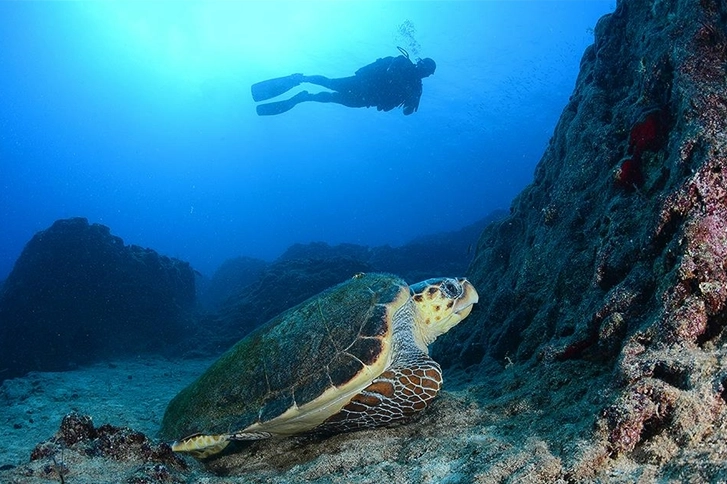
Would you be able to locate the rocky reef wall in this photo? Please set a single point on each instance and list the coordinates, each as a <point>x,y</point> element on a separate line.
<point>614,260</point>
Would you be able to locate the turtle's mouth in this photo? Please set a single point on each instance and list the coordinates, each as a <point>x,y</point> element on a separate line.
<point>464,312</point>
<point>463,305</point>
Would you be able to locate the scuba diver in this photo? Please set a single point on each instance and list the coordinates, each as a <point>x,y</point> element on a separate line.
<point>388,83</point>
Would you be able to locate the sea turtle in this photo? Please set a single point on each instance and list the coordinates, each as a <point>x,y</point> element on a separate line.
<point>354,356</point>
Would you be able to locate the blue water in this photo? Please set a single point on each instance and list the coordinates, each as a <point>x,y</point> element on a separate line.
<point>138,116</point>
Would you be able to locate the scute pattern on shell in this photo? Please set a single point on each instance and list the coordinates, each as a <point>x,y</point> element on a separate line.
<point>291,360</point>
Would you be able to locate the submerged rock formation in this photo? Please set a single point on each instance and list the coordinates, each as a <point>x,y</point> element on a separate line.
<point>435,255</point>
<point>78,294</point>
<point>228,281</point>
<point>52,460</point>
<point>613,263</point>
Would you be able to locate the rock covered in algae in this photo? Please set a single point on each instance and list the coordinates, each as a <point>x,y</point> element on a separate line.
<point>614,258</point>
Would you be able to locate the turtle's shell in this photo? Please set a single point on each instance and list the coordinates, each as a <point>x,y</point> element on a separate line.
<point>301,367</point>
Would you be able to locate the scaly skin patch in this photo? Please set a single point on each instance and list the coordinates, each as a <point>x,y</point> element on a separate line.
<point>440,304</point>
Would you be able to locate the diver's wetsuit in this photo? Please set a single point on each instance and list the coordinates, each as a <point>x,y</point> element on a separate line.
<point>387,84</point>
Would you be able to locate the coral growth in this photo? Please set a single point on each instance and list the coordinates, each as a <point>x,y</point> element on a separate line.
<point>647,134</point>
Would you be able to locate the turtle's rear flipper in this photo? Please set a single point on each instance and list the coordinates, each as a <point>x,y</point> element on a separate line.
<point>280,107</point>
<point>201,446</point>
<point>265,90</point>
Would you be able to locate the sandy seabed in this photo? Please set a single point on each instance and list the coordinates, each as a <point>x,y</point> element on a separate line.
<point>449,444</point>
<point>465,436</point>
<point>128,393</point>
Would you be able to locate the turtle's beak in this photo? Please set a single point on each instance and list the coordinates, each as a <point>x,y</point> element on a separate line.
<point>463,304</point>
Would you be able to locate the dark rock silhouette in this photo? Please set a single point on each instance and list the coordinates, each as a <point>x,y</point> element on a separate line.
<point>229,280</point>
<point>304,270</point>
<point>78,294</point>
<point>446,253</point>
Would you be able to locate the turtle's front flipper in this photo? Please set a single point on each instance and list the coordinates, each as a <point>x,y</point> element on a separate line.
<point>400,392</point>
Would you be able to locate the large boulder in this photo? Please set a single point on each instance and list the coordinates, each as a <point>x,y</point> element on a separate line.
<point>78,294</point>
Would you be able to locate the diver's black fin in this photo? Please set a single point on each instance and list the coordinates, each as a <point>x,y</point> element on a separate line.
<point>264,90</point>
<point>280,107</point>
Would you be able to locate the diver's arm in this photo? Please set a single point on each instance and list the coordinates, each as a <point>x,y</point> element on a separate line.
<point>411,104</point>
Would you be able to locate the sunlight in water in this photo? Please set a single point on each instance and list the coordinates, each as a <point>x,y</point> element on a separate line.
<point>196,40</point>
<point>139,115</point>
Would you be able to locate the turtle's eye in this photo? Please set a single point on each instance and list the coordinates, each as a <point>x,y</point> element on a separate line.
<point>451,288</point>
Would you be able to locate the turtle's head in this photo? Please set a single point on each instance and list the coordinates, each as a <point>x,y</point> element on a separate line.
<point>439,304</point>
